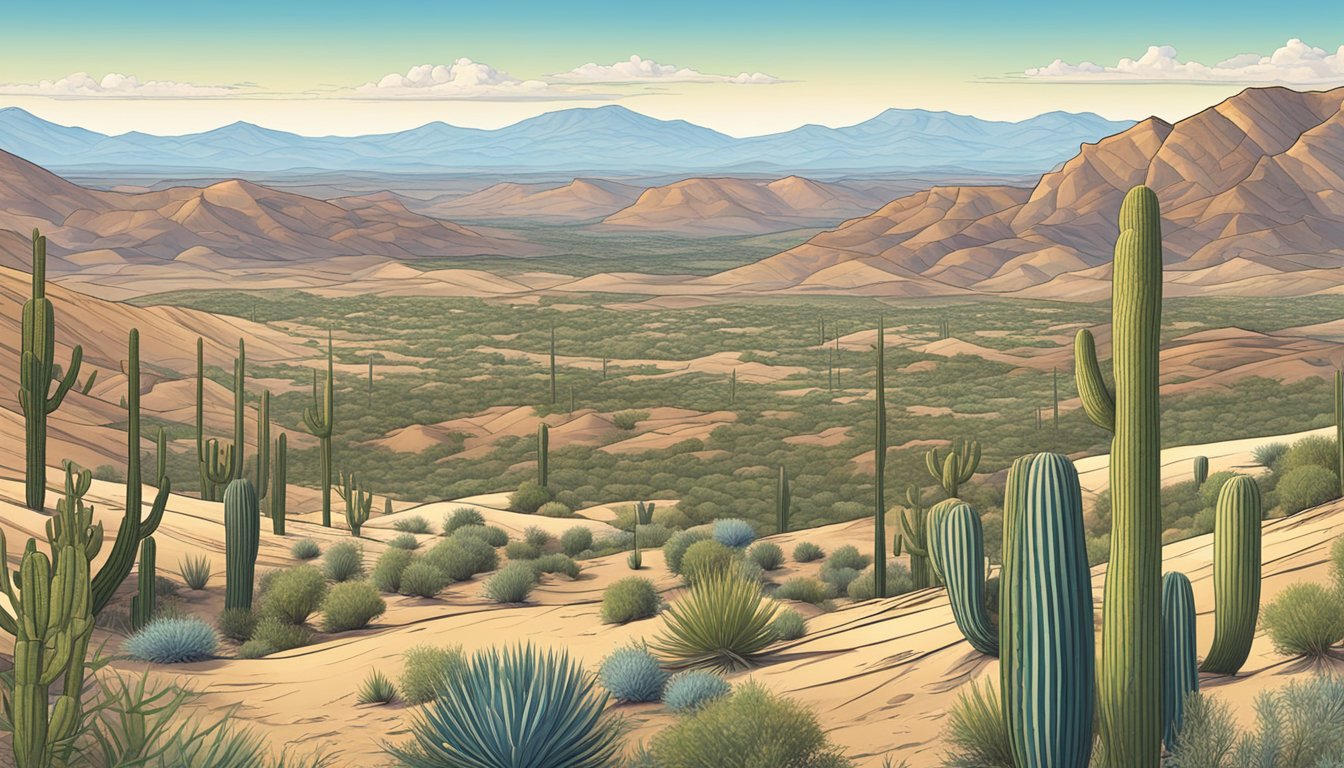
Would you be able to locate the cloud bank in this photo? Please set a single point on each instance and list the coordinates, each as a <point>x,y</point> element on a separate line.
<point>638,70</point>
<point>1294,63</point>
<point>82,85</point>
<point>463,79</point>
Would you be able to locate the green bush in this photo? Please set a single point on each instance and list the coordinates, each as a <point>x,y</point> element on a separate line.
<point>387,572</point>
<point>405,541</point>
<point>750,728</point>
<point>1305,487</point>
<point>576,540</point>
<point>632,675</point>
<point>767,555</point>
<point>848,556</point>
<point>422,580</point>
<point>426,670</point>
<point>1337,563</point>
<point>274,635</point>
<point>807,552</point>
<point>1298,726</point>
<point>1311,451</point>
<point>490,534</point>
<point>237,624</point>
<point>305,549</point>
<point>460,558</point>
<point>376,689</point>
<point>537,537</point>
<point>1268,455</point>
<point>690,690</point>
<point>837,580</point>
<point>804,589</point>
<point>351,605</point>
<point>734,532</point>
<point>528,498</point>
<point>460,518</point>
<point>556,563</point>
<point>1208,492</point>
<point>172,641</point>
<point>511,584</point>
<point>676,547</point>
<point>415,524</point>
<point>522,550</point>
<point>976,732</point>
<point>653,535</point>
<point>1305,619</point>
<point>628,420</point>
<point>629,599</point>
<point>294,594</point>
<point>554,509</point>
<point>705,559</point>
<point>789,625</point>
<point>723,623</point>
<point>898,582</point>
<point>344,561</point>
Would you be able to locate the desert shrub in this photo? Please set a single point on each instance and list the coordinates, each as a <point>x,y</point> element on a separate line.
<point>405,541</point>
<point>511,584</point>
<point>172,641</point>
<point>898,582</point>
<point>426,670</point>
<point>537,537</point>
<point>1208,492</point>
<point>490,534</point>
<point>421,580</point>
<point>557,563</point>
<point>653,535</point>
<point>629,599</point>
<point>529,497</point>
<point>294,594</point>
<point>254,649</point>
<point>848,556</point>
<point>344,561</point>
<point>305,549</point>
<point>723,623</point>
<point>789,625</point>
<point>1298,726</point>
<point>734,533</point>
<point>706,558</point>
<point>976,732</point>
<point>277,635</point>
<point>1268,455</point>
<point>688,691</point>
<point>628,420</point>
<point>376,689</point>
<point>1311,451</point>
<point>807,552</point>
<point>460,558</point>
<point>837,580</point>
<point>351,605</point>
<point>415,524</point>
<point>676,547</point>
<point>387,572</point>
<point>540,704</point>
<point>749,728</point>
<point>767,555</point>
<point>576,540</point>
<point>195,571</point>
<point>460,518</point>
<point>632,675</point>
<point>522,550</point>
<point>554,509</point>
<point>1305,487</point>
<point>237,624</point>
<point>1305,619</point>
<point>804,589</point>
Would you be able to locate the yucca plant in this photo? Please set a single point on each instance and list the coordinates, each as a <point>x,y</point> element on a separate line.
<point>195,571</point>
<point>377,688</point>
<point>516,708</point>
<point>723,624</point>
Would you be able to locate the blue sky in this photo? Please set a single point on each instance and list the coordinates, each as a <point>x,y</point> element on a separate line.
<point>742,68</point>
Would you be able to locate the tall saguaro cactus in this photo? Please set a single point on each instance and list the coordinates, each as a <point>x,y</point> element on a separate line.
<point>1339,428</point>
<point>1054,386</point>
<point>880,468</point>
<point>278,479</point>
<point>242,537</point>
<point>143,602</point>
<point>1180,678</point>
<point>553,394</point>
<point>239,409</point>
<point>358,502</point>
<point>783,501</point>
<point>913,536</point>
<point>960,463</point>
<point>543,454</point>
<point>263,474</point>
<point>1130,678</point>
<point>37,370</point>
<point>1236,575</point>
<point>319,418</point>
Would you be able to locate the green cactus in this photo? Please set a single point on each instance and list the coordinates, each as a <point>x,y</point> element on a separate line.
<point>263,463</point>
<point>732,388</point>
<point>1046,630</point>
<point>88,383</point>
<point>836,348</point>
<point>571,399</point>
<point>553,394</point>
<point>218,463</point>
<point>644,512</point>
<point>276,499</point>
<point>387,505</point>
<point>37,370</point>
<point>319,418</point>
<point>160,458</point>
<point>960,463</point>
<point>635,559</point>
<point>143,603</point>
<point>880,468</point>
<point>358,502</point>
<point>1339,428</point>
<point>933,544</point>
<point>1180,678</point>
<point>209,492</point>
<point>1201,464</point>
<point>1130,678</point>
<point>1236,575</point>
<point>783,501</point>
<point>543,454</point>
<point>913,537</point>
<point>830,369</point>
<point>239,409</point>
<point>242,537</point>
<point>1054,386</point>
<point>960,558</point>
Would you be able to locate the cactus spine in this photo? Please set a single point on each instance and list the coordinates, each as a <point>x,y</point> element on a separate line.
<point>1046,630</point>
<point>36,372</point>
<point>961,561</point>
<point>1201,470</point>
<point>358,502</point>
<point>880,469</point>
<point>1130,679</point>
<point>319,418</point>
<point>913,536</point>
<point>242,537</point>
<point>1236,575</point>
<point>143,603</point>
<point>960,463</point>
<point>1180,677</point>
<point>543,454</point>
<point>783,501</point>
<point>279,477</point>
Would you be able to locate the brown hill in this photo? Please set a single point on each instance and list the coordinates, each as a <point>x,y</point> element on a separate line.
<point>577,201</point>
<point>1250,193</point>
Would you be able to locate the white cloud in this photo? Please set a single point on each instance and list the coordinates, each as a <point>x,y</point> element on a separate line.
<point>82,85</point>
<point>1294,63</point>
<point>463,79</point>
<point>637,70</point>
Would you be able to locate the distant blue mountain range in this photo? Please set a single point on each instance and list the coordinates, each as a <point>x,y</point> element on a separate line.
<point>603,139</point>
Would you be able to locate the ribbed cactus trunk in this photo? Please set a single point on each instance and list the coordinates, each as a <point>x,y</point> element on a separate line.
<point>1130,678</point>
<point>143,602</point>
<point>1046,628</point>
<point>319,418</point>
<point>783,502</point>
<point>207,485</point>
<point>913,537</point>
<point>242,537</point>
<point>543,455</point>
<point>37,370</point>
<point>1236,575</point>
<point>1339,428</point>
<point>880,468</point>
<point>1201,470</point>
<point>160,458</point>
<point>1054,385</point>
<point>961,561</point>
<point>263,474</point>
<point>239,409</point>
<point>553,394</point>
<point>279,477</point>
<point>732,388</point>
<point>1180,677</point>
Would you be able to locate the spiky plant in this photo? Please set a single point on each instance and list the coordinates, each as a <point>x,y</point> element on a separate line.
<point>377,688</point>
<point>722,624</point>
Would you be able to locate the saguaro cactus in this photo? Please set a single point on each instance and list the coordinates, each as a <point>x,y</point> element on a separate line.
<point>880,468</point>
<point>1045,617</point>
<point>553,395</point>
<point>263,464</point>
<point>961,561</point>
<point>543,454</point>
<point>1179,675</point>
<point>37,370</point>
<point>144,601</point>
<point>88,383</point>
<point>242,537</point>
<point>319,418</point>
<point>913,536</point>
<point>644,512</point>
<point>1130,678</point>
<point>1201,466</point>
<point>783,501</point>
<point>1054,386</point>
<point>1339,428</point>
<point>960,463</point>
<point>732,388</point>
<point>276,499</point>
<point>239,409</point>
<point>218,464</point>
<point>1236,575</point>
<point>358,502</point>
<point>160,458</point>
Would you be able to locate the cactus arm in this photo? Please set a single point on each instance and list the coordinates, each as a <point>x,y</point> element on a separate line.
<point>962,554</point>
<point>1098,402</point>
<point>67,381</point>
<point>934,464</point>
<point>906,536</point>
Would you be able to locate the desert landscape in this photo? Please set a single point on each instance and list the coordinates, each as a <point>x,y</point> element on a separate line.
<point>564,435</point>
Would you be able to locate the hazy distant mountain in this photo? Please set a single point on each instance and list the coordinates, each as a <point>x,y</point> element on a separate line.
<point>580,200</point>
<point>604,139</point>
